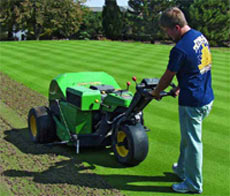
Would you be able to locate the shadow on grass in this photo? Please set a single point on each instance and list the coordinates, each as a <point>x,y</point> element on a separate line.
<point>73,172</point>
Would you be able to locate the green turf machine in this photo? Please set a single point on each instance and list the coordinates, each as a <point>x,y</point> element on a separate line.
<point>89,109</point>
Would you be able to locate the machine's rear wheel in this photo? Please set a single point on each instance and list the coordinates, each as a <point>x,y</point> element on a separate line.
<point>41,125</point>
<point>130,144</point>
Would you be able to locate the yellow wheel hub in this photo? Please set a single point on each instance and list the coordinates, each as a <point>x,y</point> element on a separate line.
<point>33,125</point>
<point>121,149</point>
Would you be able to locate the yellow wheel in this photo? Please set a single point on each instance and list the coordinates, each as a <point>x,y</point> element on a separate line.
<point>130,144</point>
<point>122,145</point>
<point>41,125</point>
<point>33,125</point>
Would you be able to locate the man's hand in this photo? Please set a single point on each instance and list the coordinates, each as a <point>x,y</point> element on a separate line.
<point>156,94</point>
<point>175,91</point>
<point>163,83</point>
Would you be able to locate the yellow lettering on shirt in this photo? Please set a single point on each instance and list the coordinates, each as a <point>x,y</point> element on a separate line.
<point>206,58</point>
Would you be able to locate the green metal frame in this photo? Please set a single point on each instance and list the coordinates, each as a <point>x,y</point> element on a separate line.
<point>59,85</point>
<point>77,118</point>
<point>115,100</point>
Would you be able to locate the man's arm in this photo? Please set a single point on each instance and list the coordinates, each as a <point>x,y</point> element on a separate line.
<point>164,82</point>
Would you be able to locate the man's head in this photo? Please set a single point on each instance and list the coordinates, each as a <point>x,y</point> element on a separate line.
<point>173,22</point>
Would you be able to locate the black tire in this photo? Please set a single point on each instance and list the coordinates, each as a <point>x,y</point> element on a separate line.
<point>130,144</point>
<point>41,125</point>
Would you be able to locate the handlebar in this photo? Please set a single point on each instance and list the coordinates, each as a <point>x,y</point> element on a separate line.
<point>164,94</point>
<point>143,97</point>
<point>145,90</point>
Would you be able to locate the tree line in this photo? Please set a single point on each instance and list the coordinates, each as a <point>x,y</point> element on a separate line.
<point>70,19</point>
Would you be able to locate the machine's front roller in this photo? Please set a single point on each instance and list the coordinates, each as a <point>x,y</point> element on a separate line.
<point>41,125</point>
<point>130,144</point>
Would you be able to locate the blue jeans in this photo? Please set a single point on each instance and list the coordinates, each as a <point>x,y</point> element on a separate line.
<point>191,147</point>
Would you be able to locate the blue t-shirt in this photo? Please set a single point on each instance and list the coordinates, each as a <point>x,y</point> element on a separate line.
<point>191,59</point>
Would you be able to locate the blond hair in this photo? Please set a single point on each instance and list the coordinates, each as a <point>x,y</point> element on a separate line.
<point>172,17</point>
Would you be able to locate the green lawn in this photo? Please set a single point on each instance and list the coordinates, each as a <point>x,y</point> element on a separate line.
<point>35,63</point>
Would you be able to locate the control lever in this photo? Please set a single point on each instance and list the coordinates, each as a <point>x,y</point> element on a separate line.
<point>128,84</point>
<point>134,79</point>
<point>127,88</point>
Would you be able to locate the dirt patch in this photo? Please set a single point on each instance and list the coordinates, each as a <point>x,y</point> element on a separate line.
<point>19,97</point>
<point>34,169</point>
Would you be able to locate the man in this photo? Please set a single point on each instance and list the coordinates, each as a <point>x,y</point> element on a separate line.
<point>190,61</point>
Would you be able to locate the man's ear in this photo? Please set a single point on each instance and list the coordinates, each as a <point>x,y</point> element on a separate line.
<point>177,27</point>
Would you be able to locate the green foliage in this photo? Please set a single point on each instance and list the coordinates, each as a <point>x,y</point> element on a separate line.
<point>112,20</point>
<point>48,19</point>
<point>91,26</point>
<point>212,18</point>
<point>33,16</point>
<point>10,17</point>
<point>3,32</point>
<point>41,18</point>
<point>66,17</point>
<point>59,18</point>
<point>144,16</point>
